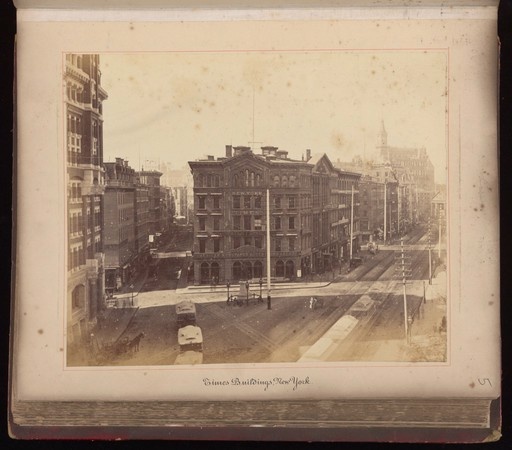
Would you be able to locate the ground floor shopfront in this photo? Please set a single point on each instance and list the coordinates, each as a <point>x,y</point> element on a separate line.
<point>219,271</point>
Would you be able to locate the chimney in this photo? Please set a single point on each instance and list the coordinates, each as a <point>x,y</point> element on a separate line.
<point>308,154</point>
<point>241,149</point>
<point>119,161</point>
<point>211,157</point>
<point>229,151</point>
<point>281,154</point>
<point>269,150</point>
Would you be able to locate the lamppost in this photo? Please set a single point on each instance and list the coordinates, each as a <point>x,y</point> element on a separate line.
<point>132,287</point>
<point>247,291</point>
<point>261,286</point>
<point>227,285</point>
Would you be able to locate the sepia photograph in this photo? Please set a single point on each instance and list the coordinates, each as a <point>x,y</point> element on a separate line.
<point>230,207</point>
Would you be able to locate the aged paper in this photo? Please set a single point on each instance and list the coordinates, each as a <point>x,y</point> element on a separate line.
<point>456,48</point>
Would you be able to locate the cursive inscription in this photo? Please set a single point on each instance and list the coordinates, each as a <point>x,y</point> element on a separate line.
<point>293,382</point>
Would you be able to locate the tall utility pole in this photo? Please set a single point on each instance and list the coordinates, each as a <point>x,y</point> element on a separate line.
<point>385,211</point>
<point>404,272</point>
<point>429,255</point>
<point>352,222</point>
<point>268,241</point>
<point>439,246</point>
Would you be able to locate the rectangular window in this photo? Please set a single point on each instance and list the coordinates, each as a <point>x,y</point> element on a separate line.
<point>291,223</point>
<point>202,202</point>
<point>236,242</point>
<point>216,245</point>
<point>257,202</point>
<point>257,242</point>
<point>202,245</point>
<point>277,202</point>
<point>291,244</point>
<point>257,223</point>
<point>202,223</point>
<point>247,202</point>
<point>291,202</point>
<point>236,201</point>
<point>247,222</point>
<point>278,244</point>
<point>247,240</point>
<point>216,202</point>
<point>277,223</point>
<point>236,222</point>
<point>216,223</point>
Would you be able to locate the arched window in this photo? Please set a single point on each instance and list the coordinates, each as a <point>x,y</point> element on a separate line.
<point>237,270</point>
<point>258,269</point>
<point>247,270</point>
<point>205,273</point>
<point>247,177</point>
<point>78,297</point>
<point>216,181</point>
<point>235,181</point>
<point>279,268</point>
<point>209,181</point>
<point>284,181</point>
<point>199,181</point>
<point>252,179</point>
<point>214,272</point>
<point>292,181</point>
<point>258,180</point>
<point>276,180</point>
<point>290,269</point>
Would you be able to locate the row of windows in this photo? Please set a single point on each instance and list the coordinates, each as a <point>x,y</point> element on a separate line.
<point>202,202</point>
<point>75,224</point>
<point>279,244</point>
<point>244,270</point>
<point>248,201</point>
<point>76,258</point>
<point>208,180</point>
<point>249,222</point>
<point>75,192</point>
<point>284,181</point>
<point>247,178</point>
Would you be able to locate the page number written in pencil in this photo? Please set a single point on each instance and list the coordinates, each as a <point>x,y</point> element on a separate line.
<point>484,381</point>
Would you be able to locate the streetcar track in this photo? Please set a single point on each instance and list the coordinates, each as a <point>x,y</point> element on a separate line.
<point>243,327</point>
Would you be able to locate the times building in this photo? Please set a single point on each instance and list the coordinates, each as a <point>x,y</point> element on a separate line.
<point>309,215</point>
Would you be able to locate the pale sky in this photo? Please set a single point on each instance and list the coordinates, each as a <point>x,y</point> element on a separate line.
<point>177,107</point>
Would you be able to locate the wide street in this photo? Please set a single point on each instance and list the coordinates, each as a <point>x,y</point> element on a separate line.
<point>253,333</point>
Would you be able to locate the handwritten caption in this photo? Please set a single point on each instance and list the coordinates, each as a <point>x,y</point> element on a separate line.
<point>293,383</point>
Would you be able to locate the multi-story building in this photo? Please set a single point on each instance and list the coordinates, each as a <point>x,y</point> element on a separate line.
<point>85,181</point>
<point>419,168</point>
<point>180,194</point>
<point>151,179</point>
<point>371,212</point>
<point>141,217</point>
<point>333,191</point>
<point>120,243</point>
<point>307,206</point>
<point>230,201</point>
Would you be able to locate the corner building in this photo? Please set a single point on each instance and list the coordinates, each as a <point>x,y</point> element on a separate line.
<point>83,108</point>
<point>230,223</point>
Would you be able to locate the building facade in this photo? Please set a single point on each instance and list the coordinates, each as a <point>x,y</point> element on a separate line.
<point>151,179</point>
<point>420,173</point>
<point>84,97</point>
<point>230,209</point>
<point>120,240</point>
